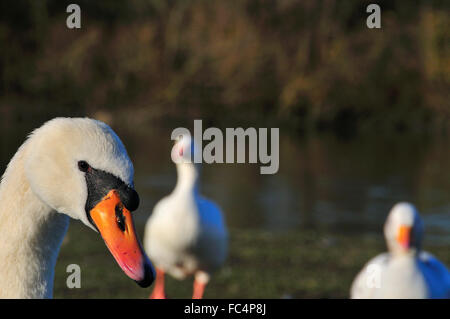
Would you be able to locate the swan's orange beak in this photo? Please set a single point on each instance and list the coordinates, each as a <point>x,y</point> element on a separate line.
<point>403,236</point>
<point>115,224</point>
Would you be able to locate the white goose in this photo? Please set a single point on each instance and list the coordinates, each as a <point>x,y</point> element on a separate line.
<point>405,271</point>
<point>69,167</point>
<point>186,233</point>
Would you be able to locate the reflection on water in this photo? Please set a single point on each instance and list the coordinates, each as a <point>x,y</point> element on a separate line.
<point>323,183</point>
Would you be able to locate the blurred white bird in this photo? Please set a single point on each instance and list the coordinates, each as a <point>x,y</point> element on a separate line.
<point>405,272</point>
<point>186,233</point>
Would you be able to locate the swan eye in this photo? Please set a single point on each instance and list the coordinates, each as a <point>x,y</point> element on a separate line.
<point>83,166</point>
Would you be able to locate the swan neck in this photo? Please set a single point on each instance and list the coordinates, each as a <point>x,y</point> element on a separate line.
<point>31,234</point>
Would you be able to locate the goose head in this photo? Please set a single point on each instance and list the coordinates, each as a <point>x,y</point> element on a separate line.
<point>184,154</point>
<point>403,229</point>
<point>184,149</point>
<point>79,167</point>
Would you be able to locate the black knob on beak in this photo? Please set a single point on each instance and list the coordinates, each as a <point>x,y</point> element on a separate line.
<point>129,197</point>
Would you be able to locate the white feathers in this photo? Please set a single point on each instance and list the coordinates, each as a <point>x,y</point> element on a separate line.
<point>186,233</point>
<point>53,152</point>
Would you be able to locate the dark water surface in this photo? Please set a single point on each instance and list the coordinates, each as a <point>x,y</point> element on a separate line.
<point>323,183</point>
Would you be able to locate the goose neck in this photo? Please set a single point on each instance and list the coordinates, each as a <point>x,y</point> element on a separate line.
<point>187,178</point>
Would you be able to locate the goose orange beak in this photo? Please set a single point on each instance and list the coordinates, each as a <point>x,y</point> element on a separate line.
<point>404,236</point>
<point>115,224</point>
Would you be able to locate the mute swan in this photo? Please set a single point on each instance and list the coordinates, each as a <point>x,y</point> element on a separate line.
<point>69,167</point>
<point>186,233</point>
<point>405,271</point>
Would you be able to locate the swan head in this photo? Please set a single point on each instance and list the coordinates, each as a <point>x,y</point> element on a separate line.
<point>79,167</point>
<point>403,229</point>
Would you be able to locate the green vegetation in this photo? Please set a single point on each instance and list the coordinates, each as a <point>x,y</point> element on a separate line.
<point>295,264</point>
<point>307,65</point>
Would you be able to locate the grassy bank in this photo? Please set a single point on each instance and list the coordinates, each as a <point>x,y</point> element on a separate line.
<point>301,264</point>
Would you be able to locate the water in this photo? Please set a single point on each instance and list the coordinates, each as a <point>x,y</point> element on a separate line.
<point>324,183</point>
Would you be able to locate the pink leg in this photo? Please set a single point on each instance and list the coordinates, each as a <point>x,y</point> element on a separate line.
<point>158,291</point>
<point>199,289</point>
